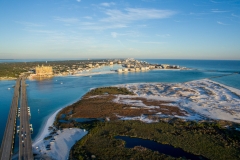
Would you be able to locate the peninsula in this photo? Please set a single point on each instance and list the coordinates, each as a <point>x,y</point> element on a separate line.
<point>201,118</point>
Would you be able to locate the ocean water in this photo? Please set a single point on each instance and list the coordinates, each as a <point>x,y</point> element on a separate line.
<point>47,96</point>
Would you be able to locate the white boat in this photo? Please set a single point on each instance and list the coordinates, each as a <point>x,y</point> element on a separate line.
<point>9,88</point>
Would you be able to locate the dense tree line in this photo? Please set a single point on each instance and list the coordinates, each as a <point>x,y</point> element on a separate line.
<point>207,139</point>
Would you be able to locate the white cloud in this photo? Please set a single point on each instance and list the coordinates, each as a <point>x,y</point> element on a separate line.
<point>87,23</point>
<point>218,11</point>
<point>198,14</point>
<point>163,35</point>
<point>29,24</point>
<point>78,0</point>
<point>234,15</point>
<point>103,26</point>
<point>214,1</point>
<point>221,23</point>
<point>152,42</point>
<point>146,42</point>
<point>40,31</point>
<point>66,20</point>
<point>134,14</point>
<point>114,34</point>
<point>107,4</point>
<point>148,0</point>
<point>88,17</point>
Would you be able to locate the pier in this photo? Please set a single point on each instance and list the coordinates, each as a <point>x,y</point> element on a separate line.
<point>24,130</point>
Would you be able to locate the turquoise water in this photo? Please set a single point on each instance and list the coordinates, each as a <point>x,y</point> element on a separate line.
<point>50,95</point>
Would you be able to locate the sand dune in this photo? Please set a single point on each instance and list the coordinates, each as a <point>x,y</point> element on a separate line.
<point>200,98</point>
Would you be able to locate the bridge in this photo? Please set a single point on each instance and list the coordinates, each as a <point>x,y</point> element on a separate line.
<point>25,142</point>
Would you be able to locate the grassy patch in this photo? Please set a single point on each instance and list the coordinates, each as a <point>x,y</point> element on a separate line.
<point>109,90</point>
<point>98,103</point>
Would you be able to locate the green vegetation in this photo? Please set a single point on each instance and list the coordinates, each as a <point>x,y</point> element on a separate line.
<point>208,139</point>
<point>97,107</point>
<point>14,69</point>
<point>109,90</point>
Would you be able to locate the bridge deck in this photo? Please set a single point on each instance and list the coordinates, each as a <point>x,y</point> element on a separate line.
<point>7,142</point>
<point>25,142</point>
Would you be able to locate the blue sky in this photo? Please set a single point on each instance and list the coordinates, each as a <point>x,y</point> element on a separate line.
<point>76,29</point>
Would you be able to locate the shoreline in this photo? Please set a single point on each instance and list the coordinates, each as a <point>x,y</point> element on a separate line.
<point>44,130</point>
<point>50,119</point>
<point>88,74</point>
<point>63,140</point>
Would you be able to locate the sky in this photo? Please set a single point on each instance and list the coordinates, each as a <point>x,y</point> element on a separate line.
<point>79,29</point>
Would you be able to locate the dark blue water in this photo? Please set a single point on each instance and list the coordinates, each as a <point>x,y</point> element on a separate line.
<point>161,148</point>
<point>50,95</point>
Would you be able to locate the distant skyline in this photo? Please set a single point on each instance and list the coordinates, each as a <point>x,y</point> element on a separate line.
<point>80,29</point>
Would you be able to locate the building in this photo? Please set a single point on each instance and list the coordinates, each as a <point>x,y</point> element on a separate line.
<point>90,65</point>
<point>119,70</point>
<point>43,71</point>
<point>165,66</point>
<point>125,70</point>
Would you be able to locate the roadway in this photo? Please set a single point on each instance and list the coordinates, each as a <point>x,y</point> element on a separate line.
<point>8,138</point>
<point>25,142</point>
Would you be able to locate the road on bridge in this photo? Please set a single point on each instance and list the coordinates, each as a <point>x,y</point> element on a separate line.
<point>25,142</point>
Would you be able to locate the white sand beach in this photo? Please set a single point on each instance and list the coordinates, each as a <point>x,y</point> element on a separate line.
<point>45,132</point>
<point>60,142</point>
